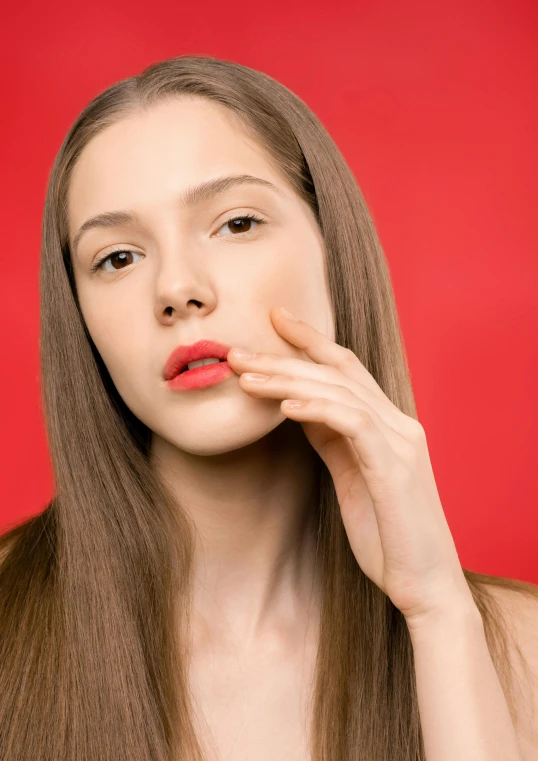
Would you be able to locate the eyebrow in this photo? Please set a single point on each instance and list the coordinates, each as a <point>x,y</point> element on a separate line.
<point>191,197</point>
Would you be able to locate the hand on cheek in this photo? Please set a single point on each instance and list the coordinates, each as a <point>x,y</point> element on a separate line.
<point>379,461</point>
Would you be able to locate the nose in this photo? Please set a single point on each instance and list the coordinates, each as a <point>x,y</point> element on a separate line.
<point>182,285</point>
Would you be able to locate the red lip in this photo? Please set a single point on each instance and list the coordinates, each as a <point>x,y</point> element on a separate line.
<point>182,355</point>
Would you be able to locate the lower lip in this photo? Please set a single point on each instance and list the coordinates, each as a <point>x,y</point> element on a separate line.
<point>201,377</point>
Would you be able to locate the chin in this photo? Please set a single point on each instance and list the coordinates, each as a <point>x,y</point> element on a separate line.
<point>205,437</point>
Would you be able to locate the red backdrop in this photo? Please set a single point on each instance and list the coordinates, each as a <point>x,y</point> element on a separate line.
<point>434,107</point>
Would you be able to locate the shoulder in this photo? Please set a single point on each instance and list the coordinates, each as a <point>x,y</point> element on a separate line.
<point>520,612</point>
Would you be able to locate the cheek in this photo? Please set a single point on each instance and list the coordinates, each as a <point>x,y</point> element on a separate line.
<point>287,274</point>
<point>301,286</point>
<point>120,340</point>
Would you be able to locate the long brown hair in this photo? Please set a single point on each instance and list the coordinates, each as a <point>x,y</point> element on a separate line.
<point>94,591</point>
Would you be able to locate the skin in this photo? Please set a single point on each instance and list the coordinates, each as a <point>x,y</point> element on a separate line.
<point>243,471</point>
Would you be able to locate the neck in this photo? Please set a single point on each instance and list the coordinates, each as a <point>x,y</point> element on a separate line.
<point>255,514</point>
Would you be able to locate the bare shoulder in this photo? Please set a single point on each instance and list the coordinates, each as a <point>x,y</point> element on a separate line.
<point>520,612</point>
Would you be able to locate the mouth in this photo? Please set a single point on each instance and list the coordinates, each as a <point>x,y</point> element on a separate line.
<point>188,369</point>
<point>200,376</point>
<point>202,352</point>
<point>197,366</point>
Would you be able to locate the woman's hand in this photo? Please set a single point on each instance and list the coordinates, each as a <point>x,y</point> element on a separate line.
<point>379,461</point>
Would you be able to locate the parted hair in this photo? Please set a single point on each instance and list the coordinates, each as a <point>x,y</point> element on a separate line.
<point>95,590</point>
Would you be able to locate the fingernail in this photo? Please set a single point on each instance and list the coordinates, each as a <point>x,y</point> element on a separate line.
<point>243,353</point>
<point>285,313</point>
<point>254,377</point>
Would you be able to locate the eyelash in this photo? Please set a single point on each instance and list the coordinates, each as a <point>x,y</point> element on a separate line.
<point>96,265</point>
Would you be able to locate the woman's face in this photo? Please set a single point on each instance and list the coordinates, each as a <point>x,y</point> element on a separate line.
<point>191,273</point>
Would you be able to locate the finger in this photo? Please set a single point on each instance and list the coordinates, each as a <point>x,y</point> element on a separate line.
<point>380,465</point>
<point>277,364</point>
<point>286,387</point>
<point>323,350</point>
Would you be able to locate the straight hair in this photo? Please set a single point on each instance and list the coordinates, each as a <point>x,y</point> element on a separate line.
<point>95,590</point>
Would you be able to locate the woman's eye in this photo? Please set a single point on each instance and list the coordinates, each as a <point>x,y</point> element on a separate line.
<point>123,258</point>
<point>242,224</point>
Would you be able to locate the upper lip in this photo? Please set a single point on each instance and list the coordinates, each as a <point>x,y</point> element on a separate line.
<point>182,355</point>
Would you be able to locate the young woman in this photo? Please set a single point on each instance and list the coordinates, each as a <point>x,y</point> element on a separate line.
<point>222,574</point>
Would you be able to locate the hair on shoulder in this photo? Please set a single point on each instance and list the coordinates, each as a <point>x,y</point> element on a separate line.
<point>93,662</point>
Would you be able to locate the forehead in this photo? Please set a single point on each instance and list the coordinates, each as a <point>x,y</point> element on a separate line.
<point>149,156</point>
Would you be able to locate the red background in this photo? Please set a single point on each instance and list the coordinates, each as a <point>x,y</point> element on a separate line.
<point>434,107</point>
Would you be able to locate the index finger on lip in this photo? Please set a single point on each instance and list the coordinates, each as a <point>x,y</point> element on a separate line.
<point>279,365</point>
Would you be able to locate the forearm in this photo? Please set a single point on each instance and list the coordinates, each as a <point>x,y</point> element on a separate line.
<point>463,711</point>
